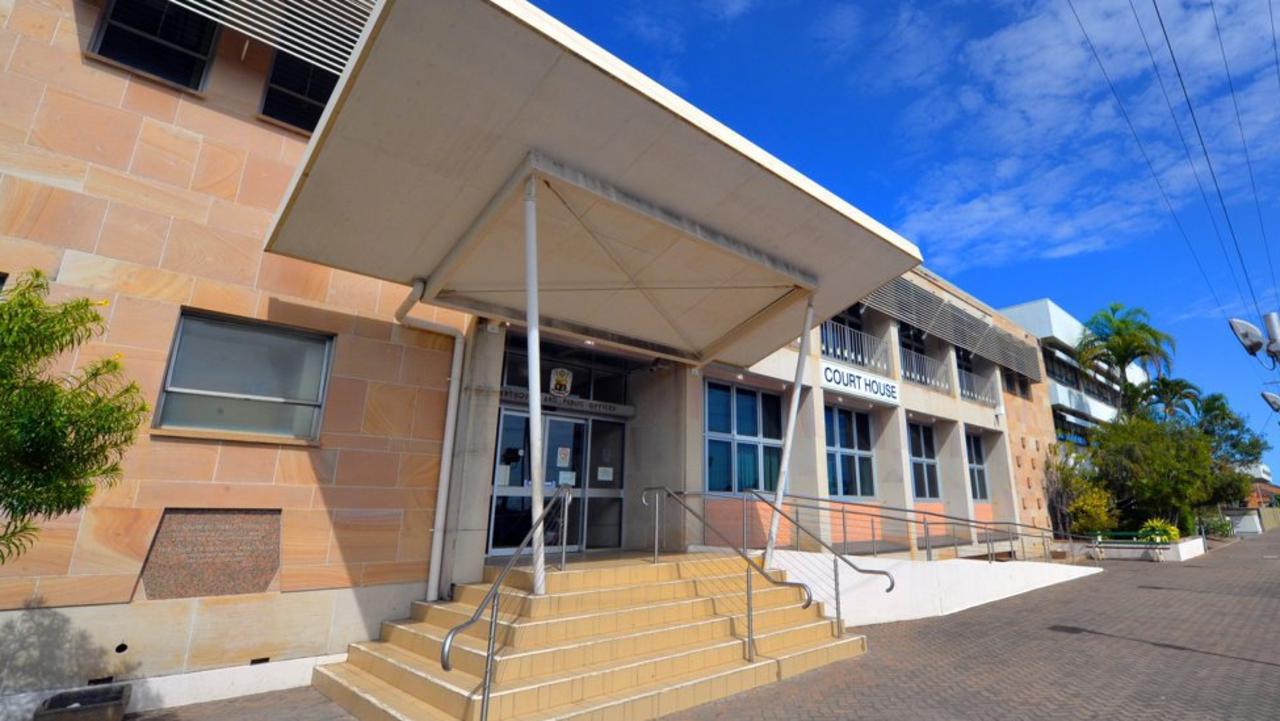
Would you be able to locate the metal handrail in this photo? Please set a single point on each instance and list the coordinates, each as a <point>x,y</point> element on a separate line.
<point>978,525</point>
<point>824,544</point>
<point>976,388</point>
<point>849,345</point>
<point>920,368</point>
<point>935,514</point>
<point>749,645</point>
<point>561,495</point>
<point>644,498</point>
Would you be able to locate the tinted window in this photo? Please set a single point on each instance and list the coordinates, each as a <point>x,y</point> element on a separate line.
<point>158,38</point>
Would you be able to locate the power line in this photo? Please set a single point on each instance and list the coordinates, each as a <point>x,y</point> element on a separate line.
<point>1186,150</point>
<point>1257,203</point>
<point>1147,158</point>
<point>1213,174</point>
<point>1275,49</point>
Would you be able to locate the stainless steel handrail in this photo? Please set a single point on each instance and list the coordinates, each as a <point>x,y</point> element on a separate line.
<point>644,498</point>
<point>561,496</point>
<point>1013,524</point>
<point>1045,534</point>
<point>824,544</point>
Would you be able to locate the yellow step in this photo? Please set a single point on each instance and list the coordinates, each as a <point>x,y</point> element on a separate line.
<point>370,698</point>
<point>587,576</point>
<point>524,633</point>
<point>523,603</point>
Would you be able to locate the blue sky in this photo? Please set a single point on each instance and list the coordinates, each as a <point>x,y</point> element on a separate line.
<point>985,132</point>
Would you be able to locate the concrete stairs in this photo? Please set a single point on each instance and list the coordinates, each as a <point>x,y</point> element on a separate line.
<point>623,639</point>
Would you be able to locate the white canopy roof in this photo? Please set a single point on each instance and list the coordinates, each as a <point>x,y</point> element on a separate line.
<point>659,228</point>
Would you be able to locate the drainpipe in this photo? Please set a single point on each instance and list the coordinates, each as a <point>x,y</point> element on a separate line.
<point>450,425</point>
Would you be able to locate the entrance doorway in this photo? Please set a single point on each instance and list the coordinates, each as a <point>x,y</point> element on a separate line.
<point>581,452</point>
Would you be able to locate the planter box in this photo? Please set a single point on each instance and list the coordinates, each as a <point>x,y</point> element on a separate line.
<point>96,703</point>
<point>1182,550</point>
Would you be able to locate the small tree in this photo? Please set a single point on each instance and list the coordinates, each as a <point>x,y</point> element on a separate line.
<point>60,435</point>
<point>1154,469</point>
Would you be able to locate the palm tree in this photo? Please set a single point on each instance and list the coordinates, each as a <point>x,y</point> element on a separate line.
<point>1116,337</point>
<point>1173,397</point>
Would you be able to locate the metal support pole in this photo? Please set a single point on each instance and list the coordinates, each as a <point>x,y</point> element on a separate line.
<point>657,524</point>
<point>928,541</point>
<point>790,432</point>
<point>534,372</point>
<point>991,550</point>
<point>751,622</point>
<point>1012,555</point>
<point>1022,543</point>
<point>564,524</point>
<point>746,543</point>
<point>1048,552</point>
<point>488,660</point>
<point>835,574</point>
<point>875,547</point>
<point>844,530</point>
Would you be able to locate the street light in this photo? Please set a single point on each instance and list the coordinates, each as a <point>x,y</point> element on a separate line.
<point>1248,335</point>
<point>1272,400</point>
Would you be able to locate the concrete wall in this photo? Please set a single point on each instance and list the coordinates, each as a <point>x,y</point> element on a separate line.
<point>124,190</point>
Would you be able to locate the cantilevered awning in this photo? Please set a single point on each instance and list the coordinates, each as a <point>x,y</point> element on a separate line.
<point>659,228</point>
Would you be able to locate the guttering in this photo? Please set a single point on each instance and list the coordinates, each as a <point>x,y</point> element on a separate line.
<point>450,425</point>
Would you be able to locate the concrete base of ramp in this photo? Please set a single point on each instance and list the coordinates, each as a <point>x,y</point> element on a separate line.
<point>924,588</point>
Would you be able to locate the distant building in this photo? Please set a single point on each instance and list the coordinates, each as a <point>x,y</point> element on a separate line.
<point>1264,491</point>
<point>1080,398</point>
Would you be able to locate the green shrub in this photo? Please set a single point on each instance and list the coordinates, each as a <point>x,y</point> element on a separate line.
<point>1217,526</point>
<point>61,434</point>
<point>1158,530</point>
<point>1092,510</point>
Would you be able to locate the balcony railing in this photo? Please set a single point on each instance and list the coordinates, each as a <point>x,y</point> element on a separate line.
<point>976,388</point>
<point>842,343</point>
<point>920,368</point>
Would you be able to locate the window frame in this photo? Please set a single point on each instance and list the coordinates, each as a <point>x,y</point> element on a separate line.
<point>266,88</point>
<point>733,438</point>
<point>925,462</point>
<point>168,388</point>
<point>837,451</point>
<point>100,29</point>
<point>977,470</point>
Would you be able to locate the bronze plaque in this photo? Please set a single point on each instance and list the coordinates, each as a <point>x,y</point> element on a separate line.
<point>212,552</point>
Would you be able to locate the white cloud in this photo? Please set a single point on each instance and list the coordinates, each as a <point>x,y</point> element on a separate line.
<point>837,29</point>
<point>728,9</point>
<point>1030,156</point>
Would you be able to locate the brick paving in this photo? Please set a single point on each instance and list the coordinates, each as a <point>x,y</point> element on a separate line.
<point>1197,640</point>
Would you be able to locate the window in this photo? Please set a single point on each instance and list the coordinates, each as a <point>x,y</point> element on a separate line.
<point>911,338</point>
<point>1060,369</point>
<point>158,38</point>
<point>924,461</point>
<point>849,467</point>
<point>297,92</point>
<point>1016,384</point>
<point>977,466</point>
<point>744,438</point>
<point>244,377</point>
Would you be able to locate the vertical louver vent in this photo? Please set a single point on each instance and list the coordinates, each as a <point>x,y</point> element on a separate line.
<point>322,32</point>
<point>906,301</point>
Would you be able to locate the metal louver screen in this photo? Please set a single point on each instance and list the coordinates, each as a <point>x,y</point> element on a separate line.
<point>323,32</point>
<point>906,301</point>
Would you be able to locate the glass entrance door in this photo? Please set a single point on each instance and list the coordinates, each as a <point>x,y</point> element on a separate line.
<point>564,456</point>
<point>577,452</point>
<point>603,503</point>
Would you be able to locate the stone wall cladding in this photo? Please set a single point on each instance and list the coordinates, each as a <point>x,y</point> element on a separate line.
<point>123,190</point>
<point>1031,436</point>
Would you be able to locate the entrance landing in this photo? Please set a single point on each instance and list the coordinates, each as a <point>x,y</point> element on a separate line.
<point>613,638</point>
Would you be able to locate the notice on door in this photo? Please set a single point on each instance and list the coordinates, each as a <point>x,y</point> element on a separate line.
<point>568,478</point>
<point>604,473</point>
<point>564,457</point>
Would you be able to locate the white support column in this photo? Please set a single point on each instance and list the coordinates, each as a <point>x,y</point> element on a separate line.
<point>534,355</point>
<point>790,432</point>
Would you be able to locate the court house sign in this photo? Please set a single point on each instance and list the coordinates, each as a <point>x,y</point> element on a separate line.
<point>856,382</point>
